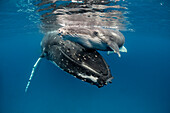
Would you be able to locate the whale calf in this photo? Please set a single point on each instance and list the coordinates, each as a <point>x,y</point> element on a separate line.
<point>94,38</point>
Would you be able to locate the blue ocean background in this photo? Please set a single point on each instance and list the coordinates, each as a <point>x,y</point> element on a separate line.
<point>142,75</point>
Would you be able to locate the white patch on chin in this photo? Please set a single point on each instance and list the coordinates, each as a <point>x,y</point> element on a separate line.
<point>94,79</point>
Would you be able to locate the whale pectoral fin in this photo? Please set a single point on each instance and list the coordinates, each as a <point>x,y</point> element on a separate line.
<point>114,47</point>
<point>109,52</point>
<point>32,73</point>
<point>123,49</point>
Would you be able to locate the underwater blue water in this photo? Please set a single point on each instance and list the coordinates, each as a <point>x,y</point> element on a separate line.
<point>142,75</point>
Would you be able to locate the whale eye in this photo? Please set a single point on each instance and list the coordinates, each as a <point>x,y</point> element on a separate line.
<point>95,33</point>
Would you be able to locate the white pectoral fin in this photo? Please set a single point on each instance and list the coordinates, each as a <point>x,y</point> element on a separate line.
<point>109,52</point>
<point>32,73</point>
<point>123,49</point>
<point>115,48</point>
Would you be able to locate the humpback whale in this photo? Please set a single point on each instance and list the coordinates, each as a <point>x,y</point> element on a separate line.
<point>95,38</point>
<point>74,59</point>
<point>74,30</point>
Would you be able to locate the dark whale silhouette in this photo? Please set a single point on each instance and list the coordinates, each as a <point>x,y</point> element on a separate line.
<point>76,60</point>
<point>89,66</point>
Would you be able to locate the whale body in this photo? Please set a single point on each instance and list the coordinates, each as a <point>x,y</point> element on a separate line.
<point>94,38</point>
<point>76,60</point>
